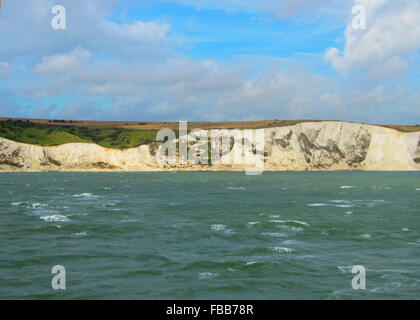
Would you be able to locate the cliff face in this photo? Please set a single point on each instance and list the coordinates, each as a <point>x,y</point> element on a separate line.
<point>306,146</point>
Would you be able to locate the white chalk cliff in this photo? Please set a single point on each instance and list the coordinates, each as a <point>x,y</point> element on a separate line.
<point>325,145</point>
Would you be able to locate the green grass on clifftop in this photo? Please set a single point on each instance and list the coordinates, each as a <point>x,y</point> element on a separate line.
<point>121,135</point>
<point>49,135</point>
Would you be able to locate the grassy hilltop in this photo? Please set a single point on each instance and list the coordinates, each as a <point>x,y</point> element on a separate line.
<point>107,134</point>
<point>118,134</point>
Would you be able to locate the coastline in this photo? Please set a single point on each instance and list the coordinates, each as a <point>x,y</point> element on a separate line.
<point>308,146</point>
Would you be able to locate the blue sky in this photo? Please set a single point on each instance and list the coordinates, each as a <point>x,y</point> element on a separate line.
<point>211,60</point>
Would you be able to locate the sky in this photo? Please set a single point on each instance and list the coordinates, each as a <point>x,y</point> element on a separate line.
<point>211,60</point>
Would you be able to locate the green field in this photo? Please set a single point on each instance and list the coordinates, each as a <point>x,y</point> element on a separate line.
<point>49,135</point>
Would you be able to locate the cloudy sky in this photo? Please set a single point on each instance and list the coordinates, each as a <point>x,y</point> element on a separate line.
<point>211,60</point>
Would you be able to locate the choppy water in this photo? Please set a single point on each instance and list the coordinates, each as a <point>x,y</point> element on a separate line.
<point>210,235</point>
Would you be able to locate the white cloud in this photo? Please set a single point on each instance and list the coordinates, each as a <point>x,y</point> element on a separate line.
<point>63,63</point>
<point>29,33</point>
<point>185,89</point>
<point>385,47</point>
<point>132,71</point>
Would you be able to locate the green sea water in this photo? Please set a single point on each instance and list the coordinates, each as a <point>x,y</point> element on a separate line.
<point>179,235</point>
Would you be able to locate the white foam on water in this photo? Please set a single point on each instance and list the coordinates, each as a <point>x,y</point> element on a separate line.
<point>347,187</point>
<point>282,250</point>
<point>85,195</point>
<point>414,243</point>
<point>277,221</point>
<point>291,228</point>
<point>110,204</point>
<point>292,242</point>
<point>366,236</point>
<point>405,229</point>
<point>417,189</point>
<point>19,204</point>
<point>206,275</point>
<point>345,269</point>
<point>349,212</point>
<point>317,205</point>
<point>249,263</point>
<point>274,216</point>
<point>218,227</point>
<point>236,188</point>
<point>42,227</point>
<point>130,220</point>
<point>82,195</point>
<point>80,234</point>
<point>55,217</point>
<point>300,222</point>
<point>344,205</point>
<point>340,201</point>
<point>275,234</point>
<point>38,205</point>
<point>253,223</point>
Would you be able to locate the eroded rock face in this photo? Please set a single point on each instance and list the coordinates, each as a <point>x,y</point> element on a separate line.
<point>416,158</point>
<point>326,145</point>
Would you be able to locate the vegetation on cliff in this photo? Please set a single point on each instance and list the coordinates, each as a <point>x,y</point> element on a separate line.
<point>119,135</point>
<point>50,134</point>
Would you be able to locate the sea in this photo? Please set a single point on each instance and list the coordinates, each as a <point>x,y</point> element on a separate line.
<point>210,235</point>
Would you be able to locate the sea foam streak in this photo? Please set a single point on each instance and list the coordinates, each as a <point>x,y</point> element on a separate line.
<point>55,217</point>
<point>218,227</point>
<point>282,249</point>
<point>85,195</point>
<point>317,205</point>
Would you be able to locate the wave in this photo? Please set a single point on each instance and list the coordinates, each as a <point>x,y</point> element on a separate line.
<point>293,242</point>
<point>303,223</point>
<point>317,205</point>
<point>347,187</point>
<point>291,228</point>
<point>282,250</point>
<point>275,234</point>
<point>253,223</point>
<point>55,217</point>
<point>29,205</point>
<point>293,222</point>
<point>79,234</point>
<point>340,201</point>
<point>236,188</point>
<point>344,205</point>
<point>85,195</point>
<point>217,227</point>
<point>206,275</point>
<point>345,269</point>
<point>39,205</point>
<point>19,204</point>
